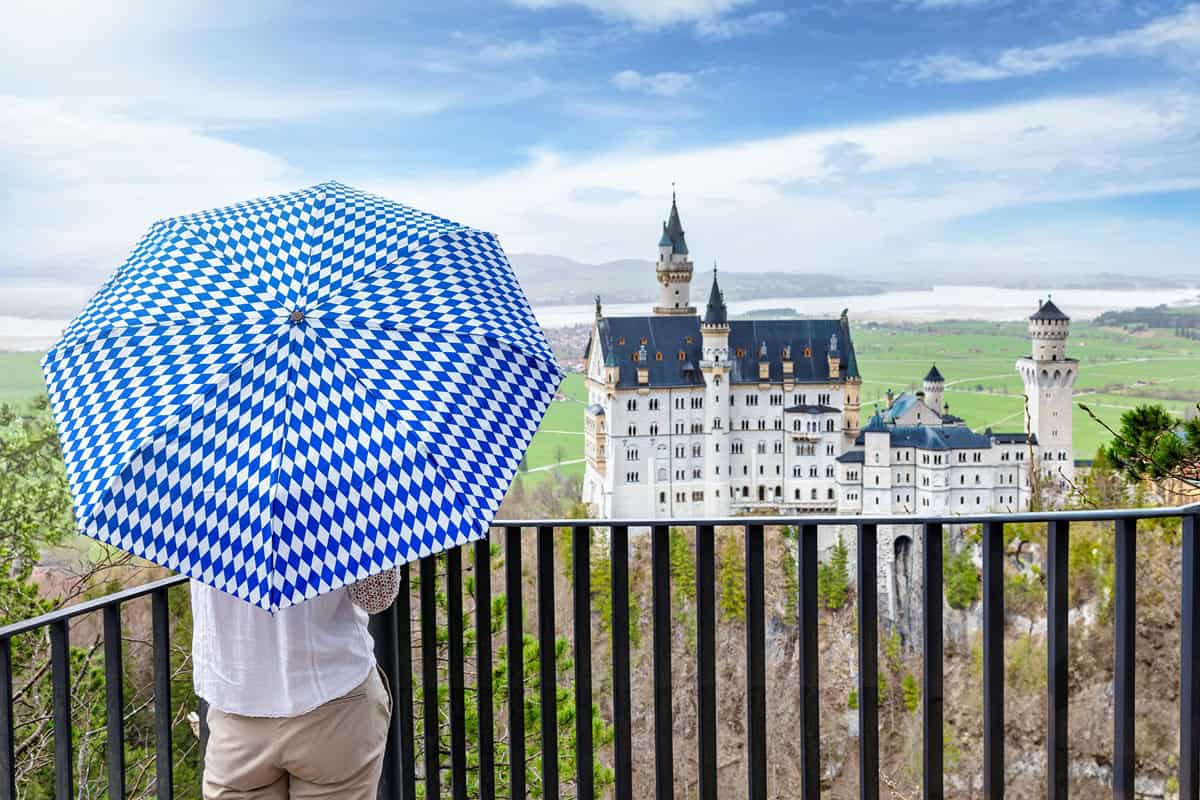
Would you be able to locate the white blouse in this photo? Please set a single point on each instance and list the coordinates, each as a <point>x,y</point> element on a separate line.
<point>247,661</point>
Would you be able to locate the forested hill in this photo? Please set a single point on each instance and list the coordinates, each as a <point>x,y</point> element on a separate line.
<point>1178,318</point>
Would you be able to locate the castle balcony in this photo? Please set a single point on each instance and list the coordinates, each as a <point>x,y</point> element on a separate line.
<point>444,642</point>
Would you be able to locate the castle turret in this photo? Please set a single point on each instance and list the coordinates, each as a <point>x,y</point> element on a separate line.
<point>674,268</point>
<point>934,387</point>
<point>714,364</point>
<point>1049,377</point>
<point>853,381</point>
<point>877,466</point>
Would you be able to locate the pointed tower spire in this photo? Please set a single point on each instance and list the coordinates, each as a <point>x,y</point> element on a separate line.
<point>674,269</point>
<point>716,313</point>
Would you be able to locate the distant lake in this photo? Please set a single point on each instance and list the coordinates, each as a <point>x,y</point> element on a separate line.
<point>939,303</point>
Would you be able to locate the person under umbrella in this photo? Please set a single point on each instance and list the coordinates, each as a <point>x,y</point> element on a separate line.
<point>285,400</point>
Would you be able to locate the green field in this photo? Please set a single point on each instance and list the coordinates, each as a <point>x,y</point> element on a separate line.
<point>1117,371</point>
<point>20,376</point>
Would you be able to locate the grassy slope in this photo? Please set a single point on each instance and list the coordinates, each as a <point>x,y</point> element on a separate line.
<point>1118,371</point>
<point>20,376</point>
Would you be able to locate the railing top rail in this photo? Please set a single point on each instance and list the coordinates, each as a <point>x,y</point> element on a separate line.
<point>1091,515</point>
<point>88,606</point>
<point>1088,515</point>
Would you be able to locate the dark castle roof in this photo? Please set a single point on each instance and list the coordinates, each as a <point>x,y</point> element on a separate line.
<point>621,337</point>
<point>715,313</point>
<point>673,231</point>
<point>933,376</point>
<point>1015,438</point>
<point>803,409</point>
<point>928,437</point>
<point>852,457</point>
<point>1047,311</point>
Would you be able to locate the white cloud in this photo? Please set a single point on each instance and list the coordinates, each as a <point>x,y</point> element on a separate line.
<point>734,27</point>
<point>82,187</point>
<point>649,13</point>
<point>880,198</point>
<point>665,84</point>
<point>1175,36</point>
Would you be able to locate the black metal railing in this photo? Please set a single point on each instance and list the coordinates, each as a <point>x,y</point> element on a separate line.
<point>406,764</point>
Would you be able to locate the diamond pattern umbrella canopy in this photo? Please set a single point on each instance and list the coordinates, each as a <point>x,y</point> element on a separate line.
<point>285,396</point>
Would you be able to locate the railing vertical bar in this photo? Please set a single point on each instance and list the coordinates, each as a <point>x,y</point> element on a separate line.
<point>431,749</point>
<point>993,661</point>
<point>8,758</point>
<point>931,632</point>
<point>810,687</point>
<point>1057,756</point>
<point>516,660</point>
<point>664,749</point>
<point>706,663</point>
<point>60,679</point>
<point>622,717</point>
<point>756,666</point>
<point>547,669</point>
<point>868,668</point>
<point>202,706</point>
<point>404,687</point>
<point>458,700</point>
<point>581,554</point>
<point>1189,675</point>
<point>160,624</point>
<point>114,701</point>
<point>483,669</point>
<point>383,632</point>
<point>1125,619</point>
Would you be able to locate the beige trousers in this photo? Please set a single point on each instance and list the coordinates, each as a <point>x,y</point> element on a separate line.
<point>333,751</point>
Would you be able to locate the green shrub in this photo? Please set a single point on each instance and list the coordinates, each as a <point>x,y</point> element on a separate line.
<point>960,577</point>
<point>833,578</point>
<point>912,692</point>
<point>731,577</point>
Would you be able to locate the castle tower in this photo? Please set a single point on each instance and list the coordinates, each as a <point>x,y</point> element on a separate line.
<point>714,364</point>
<point>935,386</point>
<point>1049,377</point>
<point>853,385</point>
<point>674,269</point>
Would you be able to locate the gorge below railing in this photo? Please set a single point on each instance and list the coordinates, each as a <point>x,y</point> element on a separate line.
<point>429,642</point>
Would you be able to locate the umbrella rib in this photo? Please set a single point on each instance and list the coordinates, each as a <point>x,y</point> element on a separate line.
<point>382,403</point>
<point>250,279</point>
<point>173,418</point>
<point>489,336</point>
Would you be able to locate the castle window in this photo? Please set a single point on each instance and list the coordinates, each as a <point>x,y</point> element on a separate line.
<point>621,341</point>
<point>635,356</point>
<point>741,352</point>
<point>682,355</point>
<point>688,340</point>
<point>807,351</point>
<point>644,340</point>
<point>658,356</point>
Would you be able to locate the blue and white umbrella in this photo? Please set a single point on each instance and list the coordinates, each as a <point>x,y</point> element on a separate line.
<point>285,396</point>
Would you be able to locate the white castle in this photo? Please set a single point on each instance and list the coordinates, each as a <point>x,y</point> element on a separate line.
<point>692,416</point>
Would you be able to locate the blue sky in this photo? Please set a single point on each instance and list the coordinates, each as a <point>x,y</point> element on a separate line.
<point>913,137</point>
